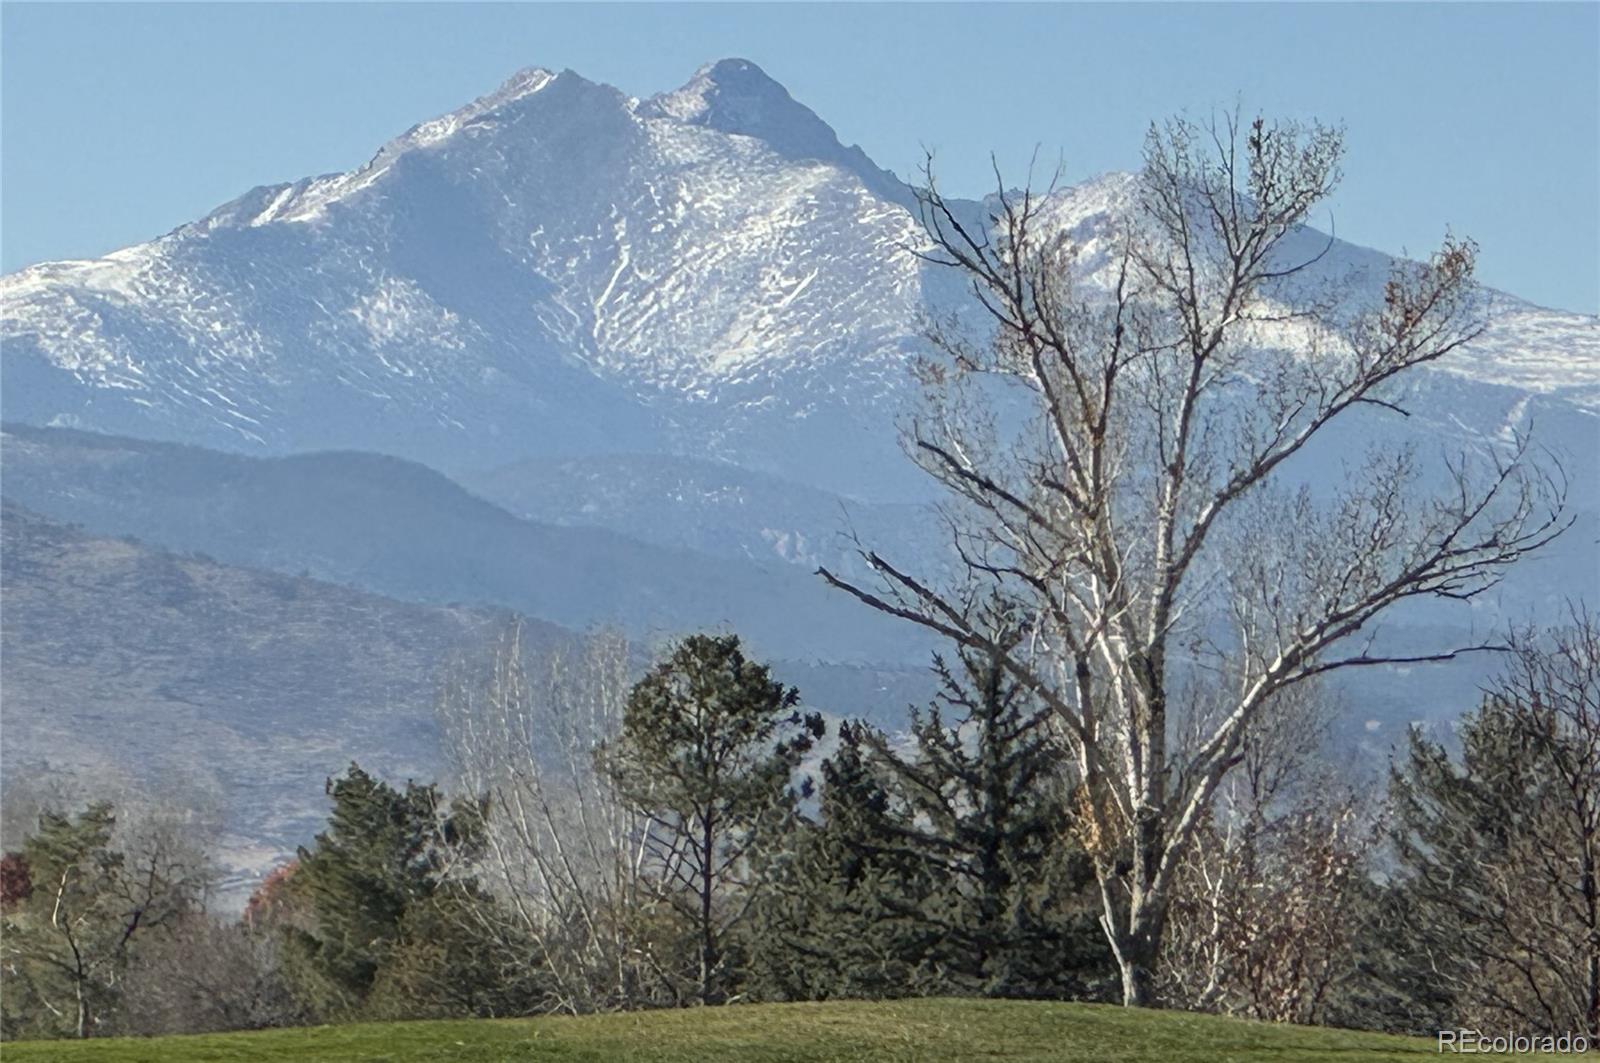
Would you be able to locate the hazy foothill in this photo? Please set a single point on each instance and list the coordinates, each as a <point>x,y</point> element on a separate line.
<point>613,555</point>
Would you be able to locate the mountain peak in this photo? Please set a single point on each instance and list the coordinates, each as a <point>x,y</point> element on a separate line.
<point>736,96</point>
<point>525,81</point>
<point>740,74</point>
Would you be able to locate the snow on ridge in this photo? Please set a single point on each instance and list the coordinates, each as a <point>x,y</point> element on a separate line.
<point>518,86</point>
<point>760,297</point>
<point>687,102</point>
<point>1525,347</point>
<point>307,200</point>
<point>738,82</point>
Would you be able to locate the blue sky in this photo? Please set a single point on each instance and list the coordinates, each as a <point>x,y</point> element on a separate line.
<point>119,122</point>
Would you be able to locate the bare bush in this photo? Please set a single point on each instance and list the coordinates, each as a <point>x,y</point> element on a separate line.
<point>208,974</point>
<point>1266,912</point>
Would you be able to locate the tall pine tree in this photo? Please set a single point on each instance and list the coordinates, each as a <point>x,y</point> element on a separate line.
<point>708,748</point>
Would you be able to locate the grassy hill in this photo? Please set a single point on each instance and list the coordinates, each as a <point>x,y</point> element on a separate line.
<point>803,1033</point>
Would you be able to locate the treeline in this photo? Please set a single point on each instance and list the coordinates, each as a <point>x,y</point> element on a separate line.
<point>696,837</point>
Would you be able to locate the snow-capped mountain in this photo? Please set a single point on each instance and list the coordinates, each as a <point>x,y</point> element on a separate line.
<point>553,268</point>
<point>557,269</point>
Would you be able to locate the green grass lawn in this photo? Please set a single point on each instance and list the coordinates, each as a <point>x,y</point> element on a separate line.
<point>955,1030</point>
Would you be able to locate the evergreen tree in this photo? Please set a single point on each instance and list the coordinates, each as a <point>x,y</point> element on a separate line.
<point>62,942</point>
<point>452,959</point>
<point>707,751</point>
<point>385,853</point>
<point>944,868</point>
<point>982,800</point>
<point>1499,896</point>
<point>841,916</point>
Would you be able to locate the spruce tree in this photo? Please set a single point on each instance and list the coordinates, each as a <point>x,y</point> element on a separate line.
<point>1498,851</point>
<point>946,866</point>
<point>841,915</point>
<point>984,801</point>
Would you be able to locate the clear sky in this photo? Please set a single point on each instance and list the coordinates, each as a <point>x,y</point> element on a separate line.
<point>120,122</point>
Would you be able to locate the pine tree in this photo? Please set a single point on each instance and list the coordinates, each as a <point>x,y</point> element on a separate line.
<point>67,938</point>
<point>708,748</point>
<point>62,943</point>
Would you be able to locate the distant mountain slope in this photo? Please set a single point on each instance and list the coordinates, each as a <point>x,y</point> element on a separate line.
<point>712,507</point>
<point>250,684</point>
<point>558,269</point>
<point>400,529</point>
<point>200,677</point>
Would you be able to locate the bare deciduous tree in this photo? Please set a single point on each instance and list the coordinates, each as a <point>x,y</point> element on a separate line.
<point>1136,512</point>
<point>207,974</point>
<point>565,856</point>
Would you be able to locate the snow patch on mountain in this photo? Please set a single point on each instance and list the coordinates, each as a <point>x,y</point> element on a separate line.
<point>557,268</point>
